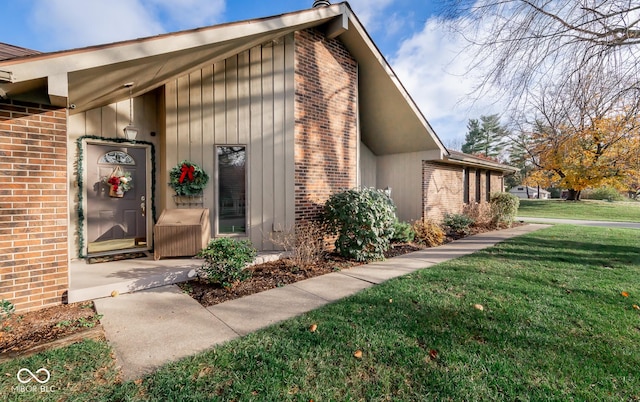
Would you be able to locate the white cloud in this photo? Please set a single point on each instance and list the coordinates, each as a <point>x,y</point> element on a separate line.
<point>433,68</point>
<point>370,11</point>
<point>190,13</point>
<point>78,23</point>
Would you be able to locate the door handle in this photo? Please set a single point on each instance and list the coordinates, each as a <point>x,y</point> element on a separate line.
<point>143,205</point>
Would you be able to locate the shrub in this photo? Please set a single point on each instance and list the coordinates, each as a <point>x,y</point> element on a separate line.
<point>6,309</point>
<point>305,243</point>
<point>480,212</point>
<point>504,208</point>
<point>428,232</point>
<point>402,233</point>
<point>457,223</point>
<point>603,193</point>
<point>225,260</point>
<point>363,220</point>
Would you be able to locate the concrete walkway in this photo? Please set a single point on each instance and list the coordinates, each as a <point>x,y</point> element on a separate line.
<point>605,224</point>
<point>150,328</point>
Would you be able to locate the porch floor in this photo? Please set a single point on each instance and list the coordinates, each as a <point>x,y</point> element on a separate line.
<point>95,281</point>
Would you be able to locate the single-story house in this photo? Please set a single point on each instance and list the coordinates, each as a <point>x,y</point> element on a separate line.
<point>280,112</point>
<point>525,192</point>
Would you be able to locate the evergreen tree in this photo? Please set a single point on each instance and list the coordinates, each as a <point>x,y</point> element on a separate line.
<point>485,137</point>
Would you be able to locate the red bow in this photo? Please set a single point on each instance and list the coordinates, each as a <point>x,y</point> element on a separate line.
<point>115,182</point>
<point>187,171</point>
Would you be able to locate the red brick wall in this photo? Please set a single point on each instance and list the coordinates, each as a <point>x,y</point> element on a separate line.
<point>442,189</point>
<point>326,88</point>
<point>33,205</point>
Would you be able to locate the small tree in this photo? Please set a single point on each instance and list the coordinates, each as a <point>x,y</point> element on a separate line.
<point>363,220</point>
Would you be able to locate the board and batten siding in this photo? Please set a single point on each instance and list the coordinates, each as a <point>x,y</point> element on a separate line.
<point>245,100</point>
<point>368,168</point>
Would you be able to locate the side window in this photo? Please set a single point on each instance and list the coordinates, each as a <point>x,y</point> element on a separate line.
<point>232,193</point>
<point>465,190</point>
<point>488,192</point>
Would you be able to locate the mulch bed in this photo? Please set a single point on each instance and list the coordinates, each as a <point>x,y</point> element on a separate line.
<point>22,332</point>
<point>275,274</point>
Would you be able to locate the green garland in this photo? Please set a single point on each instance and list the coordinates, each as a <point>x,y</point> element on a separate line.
<point>80,179</point>
<point>187,178</point>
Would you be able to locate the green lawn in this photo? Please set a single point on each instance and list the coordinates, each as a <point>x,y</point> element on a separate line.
<point>587,209</point>
<point>555,327</point>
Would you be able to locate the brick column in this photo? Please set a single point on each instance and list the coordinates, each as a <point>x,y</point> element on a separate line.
<point>326,136</point>
<point>33,205</point>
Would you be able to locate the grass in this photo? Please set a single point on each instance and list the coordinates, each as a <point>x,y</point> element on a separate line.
<point>555,326</point>
<point>586,209</point>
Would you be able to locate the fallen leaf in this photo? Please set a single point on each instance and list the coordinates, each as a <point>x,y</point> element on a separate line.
<point>313,327</point>
<point>433,354</point>
<point>115,293</point>
<point>357,354</point>
<point>624,294</point>
<point>478,307</point>
<point>635,306</point>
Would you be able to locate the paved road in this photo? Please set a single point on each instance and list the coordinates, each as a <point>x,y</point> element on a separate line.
<point>624,225</point>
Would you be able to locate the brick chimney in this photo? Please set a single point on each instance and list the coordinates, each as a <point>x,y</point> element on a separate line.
<point>321,3</point>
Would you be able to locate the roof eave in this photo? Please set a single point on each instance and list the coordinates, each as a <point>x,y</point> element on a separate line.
<point>476,162</point>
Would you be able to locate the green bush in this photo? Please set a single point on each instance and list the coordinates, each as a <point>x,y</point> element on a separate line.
<point>363,220</point>
<point>504,208</point>
<point>428,232</point>
<point>225,260</point>
<point>604,193</point>
<point>6,310</point>
<point>458,223</point>
<point>402,233</point>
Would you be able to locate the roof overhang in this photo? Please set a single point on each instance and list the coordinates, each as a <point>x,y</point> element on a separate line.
<point>84,79</point>
<point>458,158</point>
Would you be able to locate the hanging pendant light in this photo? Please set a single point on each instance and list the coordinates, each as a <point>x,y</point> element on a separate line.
<point>130,132</point>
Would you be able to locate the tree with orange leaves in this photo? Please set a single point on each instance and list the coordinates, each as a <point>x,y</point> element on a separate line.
<point>585,132</point>
<point>604,152</point>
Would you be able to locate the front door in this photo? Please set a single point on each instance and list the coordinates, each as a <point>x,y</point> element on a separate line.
<point>116,198</point>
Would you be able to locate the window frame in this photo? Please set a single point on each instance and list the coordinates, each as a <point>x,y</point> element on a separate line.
<point>217,231</point>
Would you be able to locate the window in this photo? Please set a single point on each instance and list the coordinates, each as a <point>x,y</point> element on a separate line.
<point>232,173</point>
<point>488,192</point>
<point>465,190</point>
<point>478,183</point>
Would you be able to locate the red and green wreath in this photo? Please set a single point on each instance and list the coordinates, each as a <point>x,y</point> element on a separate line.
<point>187,178</point>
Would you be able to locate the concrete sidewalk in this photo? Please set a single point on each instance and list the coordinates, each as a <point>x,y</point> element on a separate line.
<point>150,328</point>
<point>579,222</point>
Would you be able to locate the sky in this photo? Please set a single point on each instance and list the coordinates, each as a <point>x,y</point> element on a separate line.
<point>428,60</point>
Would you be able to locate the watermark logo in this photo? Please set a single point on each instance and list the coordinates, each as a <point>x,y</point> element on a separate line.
<point>24,372</point>
<point>33,381</point>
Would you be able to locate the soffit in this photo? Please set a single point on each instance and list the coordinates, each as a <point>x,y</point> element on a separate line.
<point>390,121</point>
